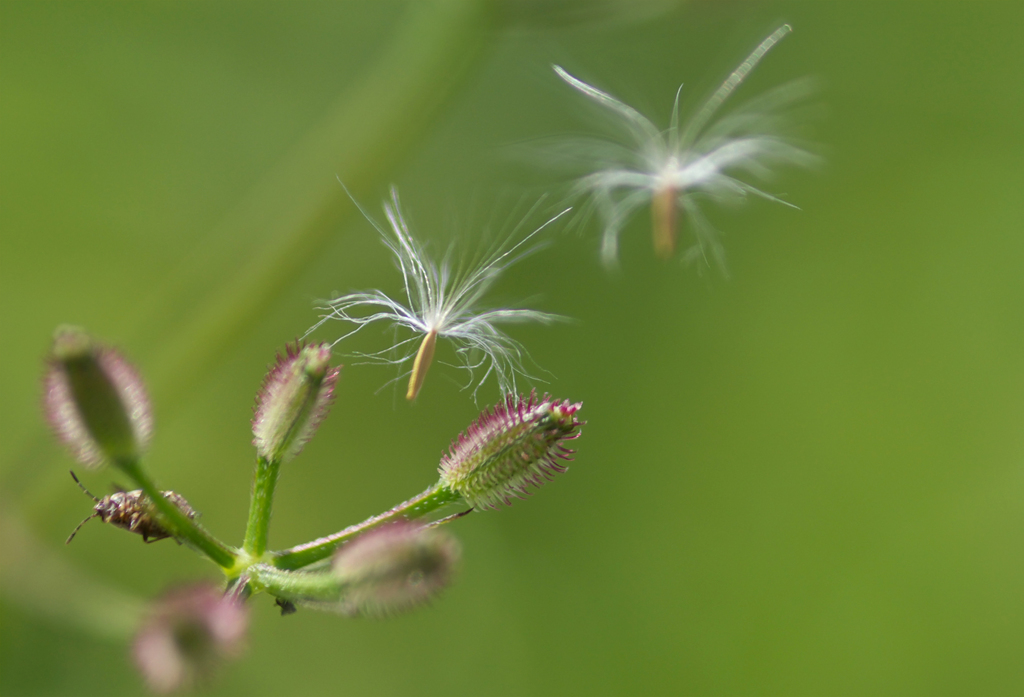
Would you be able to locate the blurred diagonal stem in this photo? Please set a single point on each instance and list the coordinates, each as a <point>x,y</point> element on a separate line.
<point>289,217</point>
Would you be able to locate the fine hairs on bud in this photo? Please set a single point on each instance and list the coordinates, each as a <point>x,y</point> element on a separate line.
<point>295,397</point>
<point>395,567</point>
<point>95,401</point>
<point>518,445</point>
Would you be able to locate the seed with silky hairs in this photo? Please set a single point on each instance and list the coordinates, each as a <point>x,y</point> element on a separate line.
<point>677,168</point>
<point>443,303</point>
<point>518,445</point>
<point>94,400</point>
<point>394,568</point>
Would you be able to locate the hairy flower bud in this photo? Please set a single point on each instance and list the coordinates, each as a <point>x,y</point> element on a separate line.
<point>189,632</point>
<point>394,568</point>
<point>518,445</point>
<point>94,400</point>
<point>295,397</point>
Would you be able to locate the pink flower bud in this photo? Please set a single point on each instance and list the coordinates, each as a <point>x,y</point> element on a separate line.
<point>518,445</point>
<point>394,568</point>
<point>295,397</point>
<point>188,633</point>
<point>94,400</point>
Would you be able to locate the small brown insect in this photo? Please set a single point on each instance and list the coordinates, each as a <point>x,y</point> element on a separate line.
<point>132,511</point>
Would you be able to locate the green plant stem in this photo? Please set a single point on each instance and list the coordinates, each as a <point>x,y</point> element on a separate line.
<point>180,524</point>
<point>259,507</point>
<point>305,554</point>
<point>296,585</point>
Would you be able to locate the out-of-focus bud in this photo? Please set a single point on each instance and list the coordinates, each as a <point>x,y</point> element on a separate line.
<point>189,632</point>
<point>94,400</point>
<point>518,445</point>
<point>295,397</point>
<point>394,568</point>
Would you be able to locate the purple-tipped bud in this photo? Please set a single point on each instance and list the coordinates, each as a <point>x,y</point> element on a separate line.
<point>296,396</point>
<point>394,568</point>
<point>518,445</point>
<point>188,633</point>
<point>94,400</point>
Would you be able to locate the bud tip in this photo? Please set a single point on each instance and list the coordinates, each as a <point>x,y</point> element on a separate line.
<point>294,399</point>
<point>94,400</point>
<point>518,445</point>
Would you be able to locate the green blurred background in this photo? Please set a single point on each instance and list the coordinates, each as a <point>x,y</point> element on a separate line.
<point>808,479</point>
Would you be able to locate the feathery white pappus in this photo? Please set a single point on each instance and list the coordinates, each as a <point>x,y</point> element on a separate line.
<point>442,303</point>
<point>672,169</point>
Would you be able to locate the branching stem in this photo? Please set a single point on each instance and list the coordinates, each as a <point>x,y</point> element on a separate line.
<point>305,554</point>
<point>183,527</point>
<point>297,585</point>
<point>260,507</point>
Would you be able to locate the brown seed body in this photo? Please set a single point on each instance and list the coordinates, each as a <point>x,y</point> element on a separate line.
<point>663,217</point>
<point>420,366</point>
<point>133,511</point>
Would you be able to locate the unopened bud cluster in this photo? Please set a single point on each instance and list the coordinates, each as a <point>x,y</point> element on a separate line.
<point>388,564</point>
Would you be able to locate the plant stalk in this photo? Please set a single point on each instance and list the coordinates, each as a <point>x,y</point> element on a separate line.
<point>260,507</point>
<point>305,554</point>
<point>179,524</point>
<point>321,586</point>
